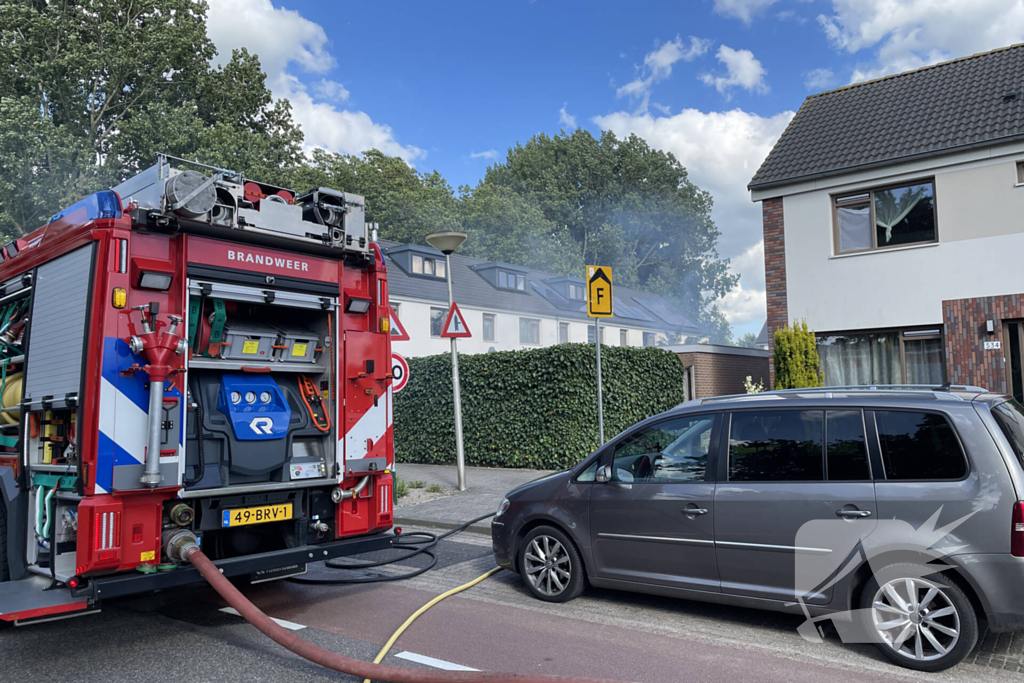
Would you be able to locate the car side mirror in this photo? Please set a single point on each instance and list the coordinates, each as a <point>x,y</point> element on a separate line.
<point>603,474</point>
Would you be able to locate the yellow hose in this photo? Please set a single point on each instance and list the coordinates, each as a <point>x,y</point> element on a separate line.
<point>401,629</point>
<point>11,397</point>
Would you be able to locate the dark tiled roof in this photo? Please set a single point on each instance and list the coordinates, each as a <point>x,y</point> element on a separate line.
<point>471,289</point>
<point>762,336</point>
<point>934,110</point>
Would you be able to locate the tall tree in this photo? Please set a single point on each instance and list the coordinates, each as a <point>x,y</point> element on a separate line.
<point>628,206</point>
<point>95,88</point>
<point>506,226</point>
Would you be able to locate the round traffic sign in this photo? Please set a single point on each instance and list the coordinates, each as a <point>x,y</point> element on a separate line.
<point>399,372</point>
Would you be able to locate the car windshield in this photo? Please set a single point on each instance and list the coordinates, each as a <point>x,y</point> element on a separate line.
<point>1010,418</point>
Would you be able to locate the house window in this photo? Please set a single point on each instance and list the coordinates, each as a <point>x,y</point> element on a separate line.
<point>509,280</point>
<point>437,316</point>
<point>886,217</point>
<point>422,265</point>
<point>886,357</point>
<point>1020,172</point>
<point>649,339</point>
<point>576,292</point>
<point>529,331</point>
<point>488,327</point>
<point>623,338</point>
<point>563,333</point>
<point>590,334</point>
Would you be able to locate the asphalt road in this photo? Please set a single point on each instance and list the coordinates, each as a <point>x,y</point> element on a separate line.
<point>183,635</point>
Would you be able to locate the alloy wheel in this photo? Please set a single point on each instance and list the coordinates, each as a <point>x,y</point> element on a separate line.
<point>548,567</point>
<point>916,619</point>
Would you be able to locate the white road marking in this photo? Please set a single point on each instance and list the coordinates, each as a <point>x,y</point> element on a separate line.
<point>290,625</point>
<point>436,663</point>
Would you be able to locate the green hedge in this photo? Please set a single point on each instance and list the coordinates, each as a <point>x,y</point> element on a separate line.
<point>535,409</point>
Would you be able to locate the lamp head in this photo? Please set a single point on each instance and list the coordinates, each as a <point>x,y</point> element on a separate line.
<point>446,241</point>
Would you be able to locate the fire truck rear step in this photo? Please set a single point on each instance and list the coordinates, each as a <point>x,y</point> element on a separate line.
<point>29,599</point>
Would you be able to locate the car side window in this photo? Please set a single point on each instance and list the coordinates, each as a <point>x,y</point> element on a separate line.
<point>777,445</point>
<point>668,452</point>
<point>919,446</point>
<point>846,448</point>
<point>589,474</point>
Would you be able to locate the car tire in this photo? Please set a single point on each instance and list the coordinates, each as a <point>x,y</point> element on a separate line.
<point>550,565</point>
<point>924,636</point>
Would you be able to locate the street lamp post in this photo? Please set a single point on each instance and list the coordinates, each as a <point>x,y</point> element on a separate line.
<point>446,242</point>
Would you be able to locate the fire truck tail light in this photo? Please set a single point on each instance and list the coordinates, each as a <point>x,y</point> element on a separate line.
<point>119,298</point>
<point>385,325</point>
<point>107,531</point>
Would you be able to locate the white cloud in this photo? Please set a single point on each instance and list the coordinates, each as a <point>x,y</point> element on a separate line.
<point>744,10</point>
<point>330,90</point>
<point>488,154</point>
<point>566,119</point>
<point>819,79</point>
<point>744,70</point>
<point>283,38</point>
<point>914,33</point>
<point>747,306</point>
<point>721,151</point>
<point>658,66</point>
<point>278,35</point>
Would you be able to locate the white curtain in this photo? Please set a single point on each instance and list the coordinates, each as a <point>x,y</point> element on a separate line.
<point>854,228</point>
<point>860,359</point>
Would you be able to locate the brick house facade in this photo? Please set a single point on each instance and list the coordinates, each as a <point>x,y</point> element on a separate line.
<point>774,273</point>
<point>966,321</point>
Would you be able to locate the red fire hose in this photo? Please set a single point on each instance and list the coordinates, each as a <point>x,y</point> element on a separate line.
<point>332,660</point>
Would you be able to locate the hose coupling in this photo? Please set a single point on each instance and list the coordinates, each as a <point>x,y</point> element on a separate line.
<point>321,527</point>
<point>179,545</point>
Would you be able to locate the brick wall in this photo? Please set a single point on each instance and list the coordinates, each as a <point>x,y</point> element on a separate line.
<point>967,362</point>
<point>715,374</point>
<point>774,271</point>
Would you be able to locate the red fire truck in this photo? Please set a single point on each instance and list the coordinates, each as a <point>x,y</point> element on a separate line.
<point>190,356</point>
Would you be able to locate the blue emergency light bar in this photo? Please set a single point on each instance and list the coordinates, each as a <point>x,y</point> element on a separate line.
<point>104,204</point>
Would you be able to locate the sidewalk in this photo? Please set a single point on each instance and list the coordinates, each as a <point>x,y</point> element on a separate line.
<point>485,488</point>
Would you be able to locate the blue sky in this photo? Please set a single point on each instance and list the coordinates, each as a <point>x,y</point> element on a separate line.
<point>452,85</point>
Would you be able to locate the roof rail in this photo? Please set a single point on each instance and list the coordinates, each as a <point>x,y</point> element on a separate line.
<point>907,388</point>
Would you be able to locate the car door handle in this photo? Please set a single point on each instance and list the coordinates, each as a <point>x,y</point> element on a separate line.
<point>695,511</point>
<point>850,514</point>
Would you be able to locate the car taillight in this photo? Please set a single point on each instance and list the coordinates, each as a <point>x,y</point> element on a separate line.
<point>1017,530</point>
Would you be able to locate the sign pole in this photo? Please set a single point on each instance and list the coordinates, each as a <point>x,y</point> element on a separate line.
<point>599,305</point>
<point>460,454</point>
<point>600,400</point>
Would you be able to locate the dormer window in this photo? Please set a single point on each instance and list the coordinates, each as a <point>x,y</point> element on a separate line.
<point>422,265</point>
<point>576,292</point>
<point>509,280</point>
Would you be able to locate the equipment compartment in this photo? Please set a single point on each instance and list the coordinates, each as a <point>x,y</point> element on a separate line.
<point>258,418</point>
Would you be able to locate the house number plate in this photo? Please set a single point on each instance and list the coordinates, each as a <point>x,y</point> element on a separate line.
<point>991,345</point>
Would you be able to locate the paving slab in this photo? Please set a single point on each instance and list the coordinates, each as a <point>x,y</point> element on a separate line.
<point>485,488</point>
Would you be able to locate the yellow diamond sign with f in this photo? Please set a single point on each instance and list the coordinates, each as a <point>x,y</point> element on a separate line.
<point>599,291</point>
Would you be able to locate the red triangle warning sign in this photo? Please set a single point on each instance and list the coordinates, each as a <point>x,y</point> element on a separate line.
<point>455,324</point>
<point>398,332</point>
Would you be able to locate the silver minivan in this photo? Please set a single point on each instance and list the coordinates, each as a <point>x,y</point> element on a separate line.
<point>893,512</point>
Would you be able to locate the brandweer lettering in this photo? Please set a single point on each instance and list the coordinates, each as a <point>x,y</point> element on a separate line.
<point>286,263</point>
